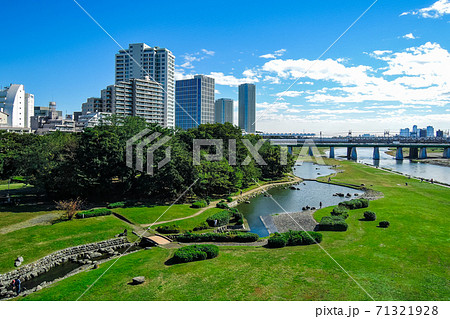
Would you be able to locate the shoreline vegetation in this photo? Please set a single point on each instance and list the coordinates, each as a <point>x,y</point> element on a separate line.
<point>378,258</point>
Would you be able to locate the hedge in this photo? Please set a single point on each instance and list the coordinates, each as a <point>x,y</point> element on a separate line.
<point>336,223</point>
<point>195,252</point>
<point>168,229</point>
<point>222,205</point>
<point>93,213</point>
<point>384,224</point>
<point>371,216</point>
<point>201,226</point>
<point>239,237</point>
<point>340,211</point>
<point>199,204</point>
<point>222,218</point>
<point>116,205</point>
<point>355,203</point>
<point>229,199</point>
<point>294,238</point>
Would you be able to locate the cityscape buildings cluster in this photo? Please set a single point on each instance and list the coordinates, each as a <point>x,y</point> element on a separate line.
<point>416,132</point>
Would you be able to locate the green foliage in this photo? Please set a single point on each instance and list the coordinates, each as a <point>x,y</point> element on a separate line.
<point>168,229</point>
<point>195,252</point>
<point>371,216</point>
<point>340,211</point>
<point>93,213</point>
<point>116,205</point>
<point>229,199</point>
<point>333,223</point>
<point>355,203</point>
<point>199,204</point>
<point>222,205</point>
<point>201,226</point>
<point>222,218</point>
<point>384,224</point>
<point>276,241</point>
<point>239,237</point>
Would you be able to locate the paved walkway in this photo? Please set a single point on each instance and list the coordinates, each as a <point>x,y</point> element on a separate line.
<point>304,220</point>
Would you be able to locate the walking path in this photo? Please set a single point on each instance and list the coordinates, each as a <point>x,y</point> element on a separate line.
<point>45,219</point>
<point>213,203</point>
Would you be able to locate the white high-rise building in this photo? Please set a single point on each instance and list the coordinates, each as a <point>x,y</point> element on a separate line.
<point>141,61</point>
<point>17,105</point>
<point>247,107</point>
<point>224,111</point>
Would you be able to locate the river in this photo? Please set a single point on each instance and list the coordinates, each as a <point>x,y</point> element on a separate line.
<point>311,193</point>
<point>424,170</point>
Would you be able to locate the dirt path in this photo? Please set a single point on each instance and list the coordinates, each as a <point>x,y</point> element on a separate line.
<point>45,219</point>
<point>213,203</point>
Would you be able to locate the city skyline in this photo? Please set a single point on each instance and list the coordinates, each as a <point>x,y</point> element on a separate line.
<point>378,76</point>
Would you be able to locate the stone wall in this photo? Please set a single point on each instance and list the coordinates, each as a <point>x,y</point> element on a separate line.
<point>81,254</point>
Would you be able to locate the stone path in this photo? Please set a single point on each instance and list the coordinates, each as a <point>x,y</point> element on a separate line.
<point>45,219</point>
<point>305,219</point>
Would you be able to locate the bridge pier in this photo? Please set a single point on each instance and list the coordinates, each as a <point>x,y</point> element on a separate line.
<point>376,153</point>
<point>413,152</point>
<point>447,152</point>
<point>423,153</point>
<point>310,151</point>
<point>351,153</point>
<point>331,151</point>
<point>290,149</point>
<point>399,153</point>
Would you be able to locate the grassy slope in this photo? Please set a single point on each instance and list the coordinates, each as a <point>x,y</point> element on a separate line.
<point>408,261</point>
<point>148,215</point>
<point>38,241</point>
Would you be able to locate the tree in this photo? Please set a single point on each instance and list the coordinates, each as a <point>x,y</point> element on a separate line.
<point>69,206</point>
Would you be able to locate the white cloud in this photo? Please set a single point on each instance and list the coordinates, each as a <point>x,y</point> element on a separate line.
<point>208,52</point>
<point>272,79</point>
<point>231,80</point>
<point>436,10</point>
<point>216,91</point>
<point>289,93</point>
<point>189,58</point>
<point>274,55</point>
<point>409,36</point>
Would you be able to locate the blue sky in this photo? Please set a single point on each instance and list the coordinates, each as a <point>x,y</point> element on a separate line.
<point>390,70</point>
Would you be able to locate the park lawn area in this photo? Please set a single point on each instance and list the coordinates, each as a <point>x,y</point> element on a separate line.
<point>149,214</point>
<point>38,241</point>
<point>408,261</point>
<point>15,216</point>
<point>190,223</point>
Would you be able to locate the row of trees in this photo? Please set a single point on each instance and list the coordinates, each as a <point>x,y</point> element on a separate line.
<point>92,164</point>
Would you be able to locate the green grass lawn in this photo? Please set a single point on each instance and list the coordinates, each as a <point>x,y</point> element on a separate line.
<point>190,223</point>
<point>36,242</point>
<point>407,261</point>
<point>149,214</point>
<point>13,216</point>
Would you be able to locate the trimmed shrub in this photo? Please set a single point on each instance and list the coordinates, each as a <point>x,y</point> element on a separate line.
<point>199,204</point>
<point>370,216</point>
<point>296,238</point>
<point>195,252</point>
<point>277,241</point>
<point>384,224</point>
<point>222,218</point>
<point>168,229</point>
<point>333,223</point>
<point>239,237</point>
<point>222,205</point>
<point>201,226</point>
<point>229,199</point>
<point>116,205</point>
<point>93,213</point>
<point>355,203</point>
<point>340,211</point>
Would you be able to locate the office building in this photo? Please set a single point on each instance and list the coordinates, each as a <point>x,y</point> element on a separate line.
<point>439,133</point>
<point>17,105</point>
<point>404,132</point>
<point>46,110</point>
<point>224,111</point>
<point>141,61</point>
<point>430,131</point>
<point>93,104</point>
<point>247,107</point>
<point>194,101</point>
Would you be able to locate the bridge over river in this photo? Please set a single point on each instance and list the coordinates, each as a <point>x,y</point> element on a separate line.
<point>417,147</point>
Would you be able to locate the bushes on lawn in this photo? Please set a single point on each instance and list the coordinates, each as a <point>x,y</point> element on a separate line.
<point>370,216</point>
<point>229,199</point>
<point>168,229</point>
<point>239,237</point>
<point>355,203</point>
<point>195,252</point>
<point>219,219</point>
<point>201,226</point>
<point>93,213</point>
<point>333,223</point>
<point>294,238</point>
<point>222,205</point>
<point>384,224</point>
<point>340,211</point>
<point>116,205</point>
<point>199,204</point>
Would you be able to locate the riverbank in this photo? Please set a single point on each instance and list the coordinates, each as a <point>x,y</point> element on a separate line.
<point>434,157</point>
<point>407,261</point>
